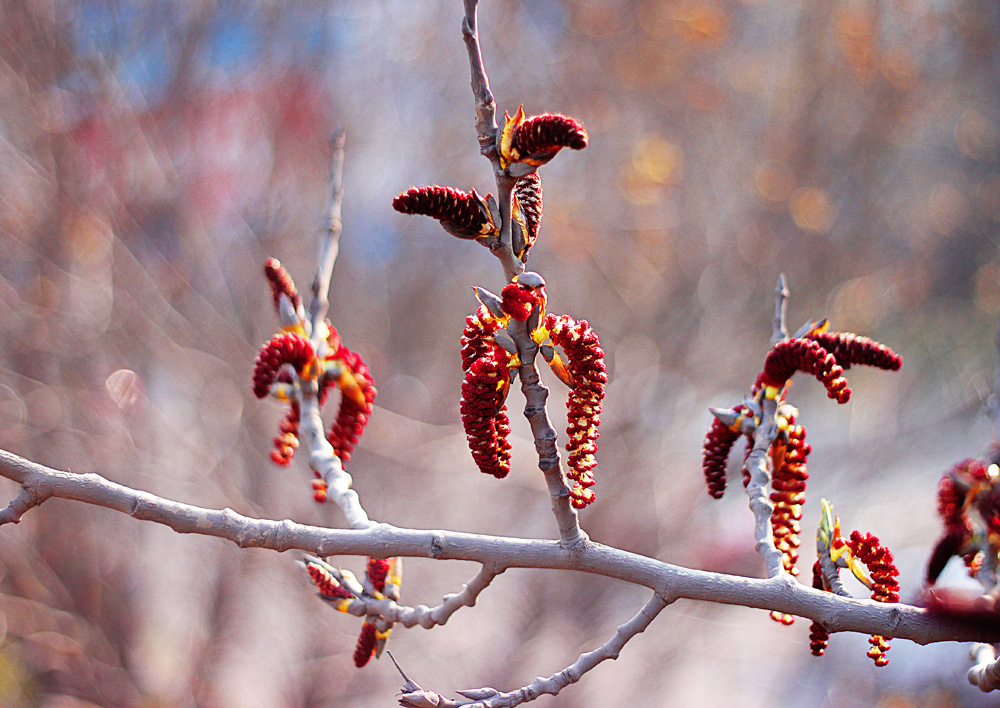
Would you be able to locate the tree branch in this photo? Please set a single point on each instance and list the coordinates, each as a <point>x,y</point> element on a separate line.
<point>758,464</point>
<point>422,615</point>
<point>986,672</point>
<point>325,463</point>
<point>587,661</point>
<point>780,299</point>
<point>19,506</point>
<point>536,395</point>
<point>330,245</point>
<point>779,594</point>
<point>486,107</point>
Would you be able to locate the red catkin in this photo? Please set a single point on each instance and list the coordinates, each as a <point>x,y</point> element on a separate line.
<point>789,493</point>
<point>540,137</point>
<point>377,569</point>
<point>585,361</point>
<point>281,283</point>
<point>327,584</point>
<point>285,348</point>
<point>518,301</point>
<point>715,450</point>
<point>528,192</point>
<point>849,349</point>
<point>365,648</point>
<point>809,356</point>
<point>885,588</point>
<point>477,335</point>
<point>466,210</point>
<point>484,415</point>
<point>356,401</point>
<point>819,638</point>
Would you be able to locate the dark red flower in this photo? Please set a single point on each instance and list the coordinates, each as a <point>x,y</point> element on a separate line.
<point>539,138</point>
<point>715,450</point>
<point>819,638</point>
<point>518,301</point>
<point>365,648</point>
<point>285,348</point>
<point>377,569</point>
<point>849,349</point>
<point>807,355</point>
<point>484,415</point>
<point>467,211</point>
<point>327,584</point>
<point>281,283</point>
<point>528,193</point>
<point>585,362</point>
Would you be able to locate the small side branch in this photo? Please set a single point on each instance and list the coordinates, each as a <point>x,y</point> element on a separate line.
<point>330,246</point>
<point>535,396</point>
<point>986,673</point>
<point>18,507</point>
<point>758,464</point>
<point>422,615</point>
<point>780,298</point>
<point>327,465</point>
<point>486,107</point>
<point>491,698</point>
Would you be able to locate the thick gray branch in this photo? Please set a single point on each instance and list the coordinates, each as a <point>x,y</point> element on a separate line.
<point>780,594</point>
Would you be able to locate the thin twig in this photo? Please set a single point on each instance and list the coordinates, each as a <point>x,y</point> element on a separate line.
<point>572,673</point>
<point>422,615</point>
<point>330,245</point>
<point>383,540</point>
<point>486,107</point>
<point>18,507</point>
<point>326,464</point>
<point>780,298</point>
<point>759,466</point>
<point>986,672</point>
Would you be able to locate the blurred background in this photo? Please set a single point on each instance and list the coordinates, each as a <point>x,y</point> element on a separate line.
<point>153,155</point>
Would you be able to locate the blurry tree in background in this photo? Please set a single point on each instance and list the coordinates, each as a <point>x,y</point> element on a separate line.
<point>153,155</point>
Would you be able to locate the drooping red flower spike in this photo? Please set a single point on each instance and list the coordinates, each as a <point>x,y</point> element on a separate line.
<point>365,648</point>
<point>587,375</point>
<point>884,586</point>
<point>861,549</point>
<point>285,348</point>
<point>347,371</point>
<point>528,210</point>
<point>819,638</point>
<point>788,484</point>
<point>484,414</point>
<point>969,486</point>
<point>477,337</point>
<point>800,354</point>
<point>281,283</point>
<point>287,441</point>
<point>715,451</point>
<point>850,349</point>
<point>536,140</point>
<point>377,569</point>
<point>463,214</point>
